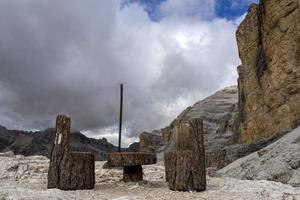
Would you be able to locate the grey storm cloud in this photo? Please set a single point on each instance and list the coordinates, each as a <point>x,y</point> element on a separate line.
<point>70,57</point>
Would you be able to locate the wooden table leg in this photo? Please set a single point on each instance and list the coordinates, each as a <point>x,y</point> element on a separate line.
<point>133,173</point>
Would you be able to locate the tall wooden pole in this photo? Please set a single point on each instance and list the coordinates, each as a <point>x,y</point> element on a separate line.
<point>121,112</point>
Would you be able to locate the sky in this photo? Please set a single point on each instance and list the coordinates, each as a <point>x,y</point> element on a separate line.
<point>69,57</point>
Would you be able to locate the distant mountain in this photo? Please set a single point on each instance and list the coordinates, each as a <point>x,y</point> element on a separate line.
<point>219,113</point>
<point>39,143</point>
<point>134,147</point>
<point>220,117</point>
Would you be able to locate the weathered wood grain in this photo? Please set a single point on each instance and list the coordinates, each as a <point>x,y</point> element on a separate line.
<point>69,170</point>
<point>122,159</point>
<point>185,166</point>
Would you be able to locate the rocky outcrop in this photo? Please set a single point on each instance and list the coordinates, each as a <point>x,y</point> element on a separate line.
<point>151,142</point>
<point>219,113</point>
<point>39,143</point>
<point>279,162</point>
<point>269,77</point>
<point>134,147</point>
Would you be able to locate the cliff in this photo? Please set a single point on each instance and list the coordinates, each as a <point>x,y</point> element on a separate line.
<point>269,77</point>
<point>220,114</point>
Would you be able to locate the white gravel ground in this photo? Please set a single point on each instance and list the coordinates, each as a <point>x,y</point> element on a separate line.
<point>26,177</point>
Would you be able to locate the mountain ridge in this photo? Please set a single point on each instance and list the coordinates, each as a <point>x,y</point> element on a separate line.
<point>30,143</point>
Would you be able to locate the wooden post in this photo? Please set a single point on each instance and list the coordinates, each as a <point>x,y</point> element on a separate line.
<point>69,170</point>
<point>59,158</point>
<point>121,112</point>
<point>185,166</point>
<point>82,170</point>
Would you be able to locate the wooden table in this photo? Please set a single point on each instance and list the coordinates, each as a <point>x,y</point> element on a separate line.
<point>132,163</point>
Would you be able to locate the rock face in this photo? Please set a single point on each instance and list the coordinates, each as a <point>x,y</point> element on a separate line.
<point>151,142</point>
<point>280,161</point>
<point>134,147</point>
<point>219,113</point>
<point>269,77</point>
<point>39,143</point>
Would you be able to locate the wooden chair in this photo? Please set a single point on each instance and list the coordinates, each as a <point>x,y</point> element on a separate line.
<point>69,170</point>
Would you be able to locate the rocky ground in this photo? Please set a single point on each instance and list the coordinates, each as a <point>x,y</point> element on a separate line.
<point>279,161</point>
<point>26,177</point>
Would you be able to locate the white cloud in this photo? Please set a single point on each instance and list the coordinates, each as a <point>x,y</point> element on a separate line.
<point>76,56</point>
<point>112,135</point>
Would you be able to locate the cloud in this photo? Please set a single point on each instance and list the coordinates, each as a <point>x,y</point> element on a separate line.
<point>70,57</point>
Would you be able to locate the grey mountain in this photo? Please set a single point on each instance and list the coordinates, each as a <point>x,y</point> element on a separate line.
<point>39,143</point>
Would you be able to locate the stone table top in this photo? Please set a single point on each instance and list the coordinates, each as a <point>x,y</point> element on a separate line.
<point>127,159</point>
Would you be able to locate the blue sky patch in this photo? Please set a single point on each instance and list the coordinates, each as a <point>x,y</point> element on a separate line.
<point>229,9</point>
